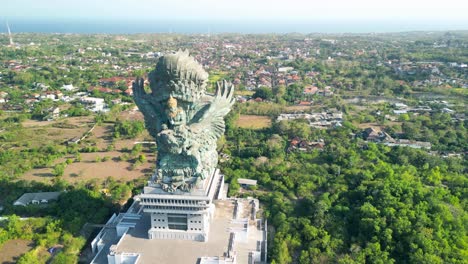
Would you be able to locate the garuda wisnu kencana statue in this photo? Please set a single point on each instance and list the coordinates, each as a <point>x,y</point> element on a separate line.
<point>185,121</point>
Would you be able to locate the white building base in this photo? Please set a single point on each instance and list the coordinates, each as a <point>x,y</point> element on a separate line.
<point>183,216</point>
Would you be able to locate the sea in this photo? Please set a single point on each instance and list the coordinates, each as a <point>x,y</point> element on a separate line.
<point>86,26</point>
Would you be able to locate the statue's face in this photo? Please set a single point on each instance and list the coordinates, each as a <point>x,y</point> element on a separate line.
<point>174,113</point>
<point>171,103</point>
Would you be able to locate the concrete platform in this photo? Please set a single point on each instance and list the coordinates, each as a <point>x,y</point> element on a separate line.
<point>179,251</point>
<point>186,251</point>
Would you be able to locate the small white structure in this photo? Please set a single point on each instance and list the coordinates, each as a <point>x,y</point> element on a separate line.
<point>285,69</point>
<point>37,198</point>
<point>246,182</point>
<point>217,260</point>
<point>95,104</point>
<point>54,114</point>
<point>400,106</point>
<point>69,87</point>
<point>400,112</point>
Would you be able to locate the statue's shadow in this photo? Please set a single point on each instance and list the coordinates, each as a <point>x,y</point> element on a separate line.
<point>141,228</point>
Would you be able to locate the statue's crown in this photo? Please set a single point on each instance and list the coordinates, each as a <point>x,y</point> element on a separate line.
<point>172,102</point>
<point>179,75</point>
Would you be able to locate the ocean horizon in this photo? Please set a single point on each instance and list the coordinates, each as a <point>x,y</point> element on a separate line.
<point>86,26</point>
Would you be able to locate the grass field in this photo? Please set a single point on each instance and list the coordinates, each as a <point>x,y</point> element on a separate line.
<point>88,169</point>
<point>244,92</point>
<point>215,77</point>
<point>297,108</point>
<point>74,121</point>
<point>378,127</point>
<point>38,133</point>
<point>13,249</point>
<point>132,114</point>
<point>459,91</point>
<point>96,165</point>
<point>91,165</point>
<point>253,121</point>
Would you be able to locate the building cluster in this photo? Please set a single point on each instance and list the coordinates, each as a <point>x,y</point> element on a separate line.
<point>401,108</point>
<point>432,74</point>
<point>298,144</point>
<point>314,90</point>
<point>114,85</point>
<point>107,63</point>
<point>425,107</point>
<point>372,135</point>
<point>316,120</point>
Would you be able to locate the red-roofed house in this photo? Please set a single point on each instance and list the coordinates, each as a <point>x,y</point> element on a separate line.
<point>310,90</point>
<point>129,91</point>
<point>101,89</point>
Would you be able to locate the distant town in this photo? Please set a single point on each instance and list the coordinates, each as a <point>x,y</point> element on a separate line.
<point>351,146</point>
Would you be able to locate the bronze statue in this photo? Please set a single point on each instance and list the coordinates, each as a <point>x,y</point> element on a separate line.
<point>185,121</point>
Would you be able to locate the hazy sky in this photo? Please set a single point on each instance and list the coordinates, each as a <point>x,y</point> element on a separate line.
<point>278,10</point>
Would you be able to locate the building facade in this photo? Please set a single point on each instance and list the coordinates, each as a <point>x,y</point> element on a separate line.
<point>178,215</point>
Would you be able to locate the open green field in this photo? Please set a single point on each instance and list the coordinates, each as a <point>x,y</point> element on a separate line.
<point>215,77</point>
<point>110,157</point>
<point>244,93</point>
<point>253,121</point>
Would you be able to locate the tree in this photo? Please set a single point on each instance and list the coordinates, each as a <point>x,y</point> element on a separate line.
<point>29,258</point>
<point>403,117</point>
<point>59,169</point>
<point>264,93</point>
<point>128,129</point>
<point>14,226</point>
<point>294,93</point>
<point>64,258</point>
<point>279,93</point>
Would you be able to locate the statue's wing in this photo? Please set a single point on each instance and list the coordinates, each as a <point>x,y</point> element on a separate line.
<point>150,108</point>
<point>213,114</point>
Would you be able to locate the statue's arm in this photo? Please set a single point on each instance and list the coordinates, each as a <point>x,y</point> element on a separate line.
<point>148,106</point>
<point>139,93</point>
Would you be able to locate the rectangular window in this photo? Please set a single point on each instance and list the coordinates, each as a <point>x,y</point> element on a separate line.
<point>178,227</point>
<point>177,221</point>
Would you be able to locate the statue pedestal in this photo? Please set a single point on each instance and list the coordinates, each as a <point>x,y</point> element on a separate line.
<point>182,215</point>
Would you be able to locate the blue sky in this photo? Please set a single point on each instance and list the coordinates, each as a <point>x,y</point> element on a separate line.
<point>245,16</point>
<point>277,10</point>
